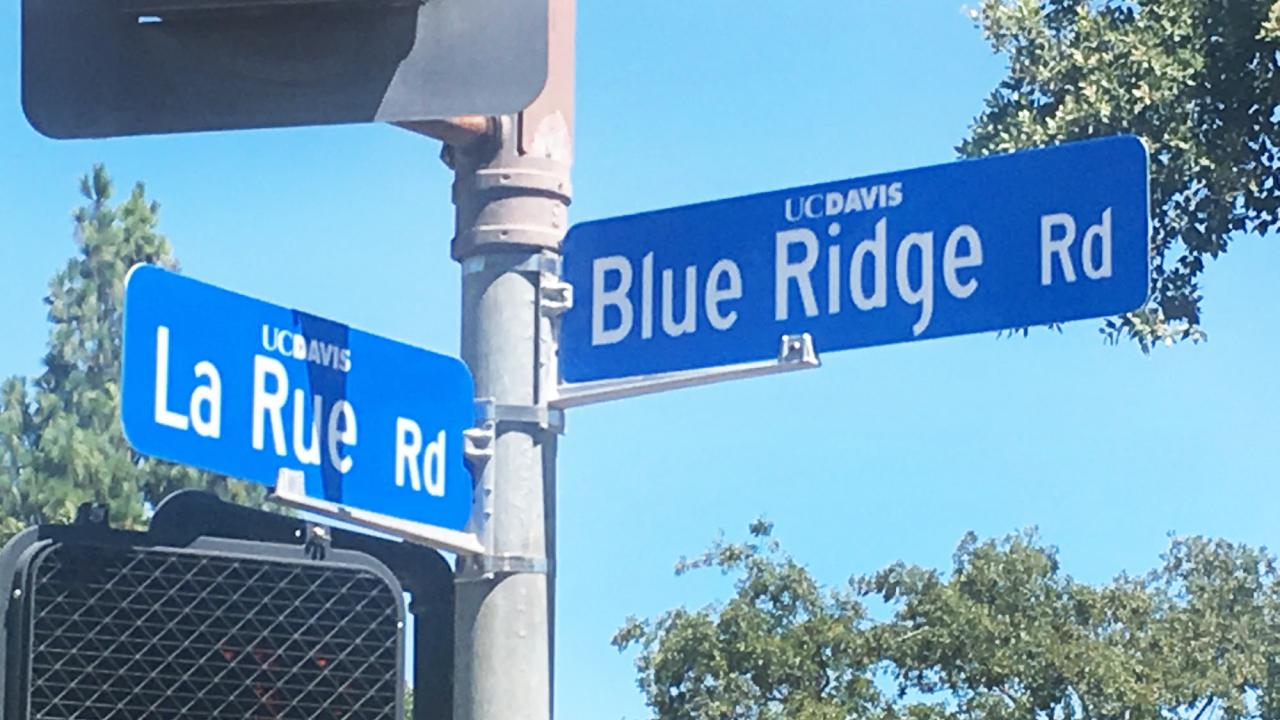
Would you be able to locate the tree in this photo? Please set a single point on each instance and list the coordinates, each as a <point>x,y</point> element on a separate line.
<point>783,647</point>
<point>62,443</point>
<point>1197,80</point>
<point>1006,635</point>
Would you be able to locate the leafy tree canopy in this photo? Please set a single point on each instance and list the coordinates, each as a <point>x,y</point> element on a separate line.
<point>1198,80</point>
<point>1005,635</point>
<point>60,438</point>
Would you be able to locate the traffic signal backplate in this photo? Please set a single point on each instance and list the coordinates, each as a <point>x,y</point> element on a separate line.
<point>101,68</point>
<point>225,629</point>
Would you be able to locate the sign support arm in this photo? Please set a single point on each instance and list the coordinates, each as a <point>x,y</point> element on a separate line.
<point>796,353</point>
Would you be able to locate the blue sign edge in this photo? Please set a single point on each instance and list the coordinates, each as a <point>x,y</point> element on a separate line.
<point>1122,139</point>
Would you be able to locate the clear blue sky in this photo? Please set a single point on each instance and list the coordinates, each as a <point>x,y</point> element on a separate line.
<point>882,455</point>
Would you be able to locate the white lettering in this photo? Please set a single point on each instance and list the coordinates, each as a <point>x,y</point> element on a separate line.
<point>267,405</point>
<point>790,212</point>
<point>786,271</point>
<point>206,402</point>
<point>617,297</point>
<point>715,294</point>
<point>1102,234</point>
<point>342,429</point>
<point>433,466</point>
<point>868,196</point>
<point>163,414</point>
<point>854,202</point>
<point>1049,246</point>
<point>690,321</point>
<point>878,250</point>
<point>646,296</point>
<point>922,294</point>
<point>833,280</point>
<point>809,202</point>
<point>895,194</point>
<point>408,445</point>
<point>951,262</point>
<point>307,453</point>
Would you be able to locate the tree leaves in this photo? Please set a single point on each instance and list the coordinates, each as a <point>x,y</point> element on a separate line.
<point>60,438</point>
<point>1004,635</point>
<point>783,647</point>
<point>1198,80</point>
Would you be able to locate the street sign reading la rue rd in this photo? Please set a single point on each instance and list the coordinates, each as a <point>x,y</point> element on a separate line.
<point>1024,239</point>
<point>246,388</point>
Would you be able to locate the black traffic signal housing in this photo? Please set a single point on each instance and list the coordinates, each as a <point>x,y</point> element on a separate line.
<point>220,612</point>
<point>102,68</point>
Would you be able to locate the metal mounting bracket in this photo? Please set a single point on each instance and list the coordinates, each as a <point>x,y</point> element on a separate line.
<point>796,352</point>
<point>317,541</point>
<point>555,296</point>
<point>541,416</point>
<point>290,490</point>
<point>478,445</point>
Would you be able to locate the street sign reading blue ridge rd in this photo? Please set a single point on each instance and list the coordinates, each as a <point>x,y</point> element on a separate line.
<point>246,388</point>
<point>1011,241</point>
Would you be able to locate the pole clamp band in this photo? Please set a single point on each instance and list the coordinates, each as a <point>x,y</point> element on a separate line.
<point>540,416</point>
<point>476,568</point>
<point>541,261</point>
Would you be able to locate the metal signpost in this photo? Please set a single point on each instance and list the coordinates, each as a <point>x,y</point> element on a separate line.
<point>1010,241</point>
<point>308,406</point>
<point>512,191</point>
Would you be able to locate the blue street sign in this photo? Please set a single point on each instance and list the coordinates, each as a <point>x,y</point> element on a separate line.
<point>1011,241</point>
<point>246,388</point>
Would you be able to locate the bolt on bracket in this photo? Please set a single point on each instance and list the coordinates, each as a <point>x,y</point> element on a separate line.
<point>555,296</point>
<point>478,445</point>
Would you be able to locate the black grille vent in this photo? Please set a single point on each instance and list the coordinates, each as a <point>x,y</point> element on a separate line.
<point>165,634</point>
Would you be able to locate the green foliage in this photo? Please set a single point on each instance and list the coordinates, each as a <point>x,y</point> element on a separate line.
<point>783,647</point>
<point>1005,635</point>
<point>60,438</point>
<point>1198,80</point>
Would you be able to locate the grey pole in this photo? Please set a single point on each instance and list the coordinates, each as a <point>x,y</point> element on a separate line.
<point>511,191</point>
